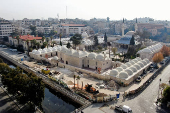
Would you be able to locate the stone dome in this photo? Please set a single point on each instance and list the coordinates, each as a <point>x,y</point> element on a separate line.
<point>38,52</point>
<point>92,55</point>
<point>137,66</point>
<point>100,57</point>
<point>130,33</point>
<point>133,68</point>
<point>144,62</point>
<point>119,69</point>
<point>64,49</point>
<point>39,49</point>
<point>123,75</point>
<point>49,50</point>
<point>44,51</point>
<point>132,62</point>
<point>135,60</point>
<point>84,35</point>
<point>123,66</point>
<point>54,49</point>
<point>141,64</point>
<point>128,64</point>
<point>114,73</point>
<point>55,58</point>
<point>129,72</point>
<point>146,50</point>
<point>34,51</point>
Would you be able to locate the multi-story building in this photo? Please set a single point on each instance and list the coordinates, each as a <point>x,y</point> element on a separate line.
<point>23,39</point>
<point>70,29</point>
<point>6,28</point>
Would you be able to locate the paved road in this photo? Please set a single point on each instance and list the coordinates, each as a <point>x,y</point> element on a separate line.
<point>144,102</point>
<point>6,104</point>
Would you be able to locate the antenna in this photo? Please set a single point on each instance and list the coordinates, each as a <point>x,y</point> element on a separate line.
<point>66,12</point>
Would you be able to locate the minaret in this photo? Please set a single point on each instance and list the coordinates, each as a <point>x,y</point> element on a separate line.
<point>136,26</point>
<point>123,28</point>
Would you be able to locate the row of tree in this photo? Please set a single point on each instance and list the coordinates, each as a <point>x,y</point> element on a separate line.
<point>27,88</point>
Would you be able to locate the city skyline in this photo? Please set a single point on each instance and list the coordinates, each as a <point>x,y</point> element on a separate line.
<point>115,10</point>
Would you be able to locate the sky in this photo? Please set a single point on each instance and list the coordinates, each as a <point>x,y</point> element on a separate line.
<point>84,9</point>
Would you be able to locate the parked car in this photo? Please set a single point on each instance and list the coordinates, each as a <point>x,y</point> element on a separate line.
<point>0,45</point>
<point>4,46</point>
<point>14,50</point>
<point>152,69</point>
<point>139,79</point>
<point>123,108</point>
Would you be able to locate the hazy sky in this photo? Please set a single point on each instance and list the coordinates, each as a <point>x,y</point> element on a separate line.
<point>85,9</point>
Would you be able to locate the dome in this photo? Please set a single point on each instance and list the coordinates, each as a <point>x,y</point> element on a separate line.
<point>34,51</point>
<point>139,59</point>
<point>92,55</point>
<point>114,73</point>
<point>146,60</point>
<point>70,51</point>
<point>84,35</point>
<point>119,69</point>
<point>59,48</point>
<point>132,62</point>
<point>77,53</point>
<point>128,64</point>
<point>130,33</point>
<point>123,66</point>
<point>55,58</point>
<point>44,51</point>
<point>123,75</point>
<point>39,49</point>
<point>54,49</point>
<point>141,64</point>
<point>137,66</point>
<point>135,60</point>
<point>133,68</point>
<point>100,57</point>
<point>49,50</point>
<point>38,52</point>
<point>147,50</point>
<point>129,72</point>
<point>64,49</point>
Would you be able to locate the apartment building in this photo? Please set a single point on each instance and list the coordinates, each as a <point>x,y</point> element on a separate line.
<point>6,28</point>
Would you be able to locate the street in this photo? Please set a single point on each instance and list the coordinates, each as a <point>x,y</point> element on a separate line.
<point>143,102</point>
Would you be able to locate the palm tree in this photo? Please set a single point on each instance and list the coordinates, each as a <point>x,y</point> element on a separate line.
<point>45,44</point>
<point>47,39</point>
<point>34,42</point>
<point>43,38</point>
<point>74,80</point>
<point>38,45</point>
<point>78,78</point>
<point>27,41</point>
<point>17,37</point>
<point>53,42</point>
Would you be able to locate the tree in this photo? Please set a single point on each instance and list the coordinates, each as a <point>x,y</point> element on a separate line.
<point>27,41</point>
<point>76,39</point>
<point>30,86</point>
<point>114,50</point>
<point>45,44</point>
<point>33,29</point>
<point>132,40</point>
<point>61,43</point>
<point>34,42</point>
<point>38,45</point>
<point>165,51</point>
<point>105,38</point>
<point>78,78</point>
<point>47,39</point>
<point>53,42</point>
<point>96,42</point>
<point>51,39</point>
<point>43,38</point>
<point>166,94</point>
<point>17,37</point>
<point>158,57</point>
<point>1,61</point>
<point>68,45</point>
<point>74,80</point>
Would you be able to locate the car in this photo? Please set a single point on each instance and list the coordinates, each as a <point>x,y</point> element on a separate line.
<point>152,69</point>
<point>4,46</point>
<point>19,52</point>
<point>162,62</point>
<point>139,79</point>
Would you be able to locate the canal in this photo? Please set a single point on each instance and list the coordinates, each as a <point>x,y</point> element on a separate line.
<point>54,102</point>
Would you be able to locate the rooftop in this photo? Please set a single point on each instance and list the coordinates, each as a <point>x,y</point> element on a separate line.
<point>29,37</point>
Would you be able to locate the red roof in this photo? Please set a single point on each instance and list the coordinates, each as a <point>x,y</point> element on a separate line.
<point>74,25</point>
<point>29,37</point>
